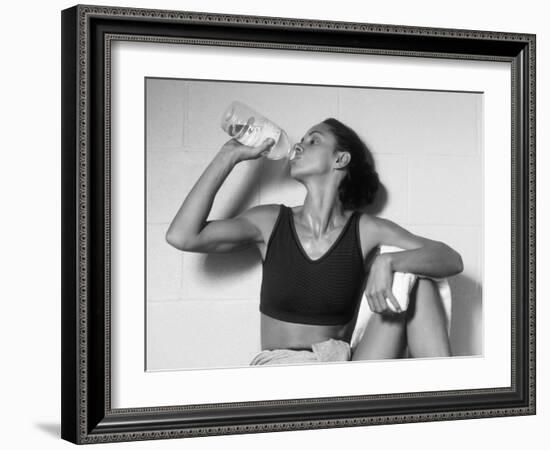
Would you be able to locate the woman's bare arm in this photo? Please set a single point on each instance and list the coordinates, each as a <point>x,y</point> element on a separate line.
<point>190,231</point>
<point>421,256</point>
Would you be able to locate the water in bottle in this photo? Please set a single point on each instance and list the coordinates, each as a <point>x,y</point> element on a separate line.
<point>251,128</point>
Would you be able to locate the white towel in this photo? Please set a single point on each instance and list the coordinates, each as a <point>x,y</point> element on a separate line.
<point>401,288</point>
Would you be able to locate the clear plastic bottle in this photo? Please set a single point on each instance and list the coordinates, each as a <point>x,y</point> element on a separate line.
<point>251,128</point>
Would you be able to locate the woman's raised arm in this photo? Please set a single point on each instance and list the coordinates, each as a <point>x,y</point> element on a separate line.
<point>189,229</point>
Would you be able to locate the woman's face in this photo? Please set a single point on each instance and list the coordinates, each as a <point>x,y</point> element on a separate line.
<point>314,153</point>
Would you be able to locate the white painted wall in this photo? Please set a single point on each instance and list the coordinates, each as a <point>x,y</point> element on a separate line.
<point>427,150</point>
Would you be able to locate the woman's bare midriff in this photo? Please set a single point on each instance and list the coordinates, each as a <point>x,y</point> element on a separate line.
<point>278,334</point>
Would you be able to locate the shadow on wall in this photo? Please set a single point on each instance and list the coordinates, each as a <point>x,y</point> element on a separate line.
<point>381,199</point>
<point>379,203</point>
<point>466,316</point>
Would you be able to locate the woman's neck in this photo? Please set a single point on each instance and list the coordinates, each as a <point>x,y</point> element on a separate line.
<point>322,212</point>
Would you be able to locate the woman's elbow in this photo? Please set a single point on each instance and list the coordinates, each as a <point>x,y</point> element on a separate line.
<point>458,264</point>
<point>453,259</point>
<point>174,240</point>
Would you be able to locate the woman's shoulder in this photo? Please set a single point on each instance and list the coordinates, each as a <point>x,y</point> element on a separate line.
<point>365,219</point>
<point>370,223</point>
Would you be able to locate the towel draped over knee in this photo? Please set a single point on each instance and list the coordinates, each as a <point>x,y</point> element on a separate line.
<point>402,285</point>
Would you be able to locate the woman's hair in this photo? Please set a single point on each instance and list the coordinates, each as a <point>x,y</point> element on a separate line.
<point>361,183</point>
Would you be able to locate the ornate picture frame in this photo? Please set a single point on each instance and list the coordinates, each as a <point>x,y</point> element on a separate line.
<point>88,33</point>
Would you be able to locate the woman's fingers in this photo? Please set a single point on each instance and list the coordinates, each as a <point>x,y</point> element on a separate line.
<point>375,303</point>
<point>391,298</point>
<point>263,148</point>
<point>267,144</point>
<point>381,302</point>
<point>371,303</point>
<point>245,152</point>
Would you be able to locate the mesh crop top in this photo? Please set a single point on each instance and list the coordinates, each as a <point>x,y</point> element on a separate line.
<point>323,291</point>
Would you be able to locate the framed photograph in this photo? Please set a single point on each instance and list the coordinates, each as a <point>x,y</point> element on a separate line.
<point>279,224</point>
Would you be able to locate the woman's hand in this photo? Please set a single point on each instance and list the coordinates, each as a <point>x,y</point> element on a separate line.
<point>239,152</point>
<point>379,284</point>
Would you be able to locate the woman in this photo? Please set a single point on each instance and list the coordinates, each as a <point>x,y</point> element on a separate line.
<point>316,257</point>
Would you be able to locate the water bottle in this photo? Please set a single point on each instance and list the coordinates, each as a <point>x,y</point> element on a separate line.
<point>251,128</point>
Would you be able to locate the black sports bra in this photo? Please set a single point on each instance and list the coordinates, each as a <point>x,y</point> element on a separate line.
<point>323,291</point>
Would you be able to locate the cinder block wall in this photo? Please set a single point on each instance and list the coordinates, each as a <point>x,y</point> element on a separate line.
<point>202,310</point>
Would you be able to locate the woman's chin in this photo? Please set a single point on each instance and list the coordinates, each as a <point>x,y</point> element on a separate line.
<point>300,173</point>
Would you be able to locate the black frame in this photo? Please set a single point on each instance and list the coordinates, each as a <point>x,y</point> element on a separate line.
<point>87,416</point>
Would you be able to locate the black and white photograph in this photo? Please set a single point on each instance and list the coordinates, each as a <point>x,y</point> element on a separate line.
<point>291,224</point>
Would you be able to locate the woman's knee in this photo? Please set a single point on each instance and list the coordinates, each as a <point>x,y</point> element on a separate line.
<point>425,290</point>
<point>384,338</point>
<point>427,323</point>
<point>427,285</point>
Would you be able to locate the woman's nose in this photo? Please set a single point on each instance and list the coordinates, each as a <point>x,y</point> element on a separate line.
<point>297,147</point>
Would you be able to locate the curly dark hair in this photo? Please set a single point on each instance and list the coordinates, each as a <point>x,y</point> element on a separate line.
<point>358,189</point>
